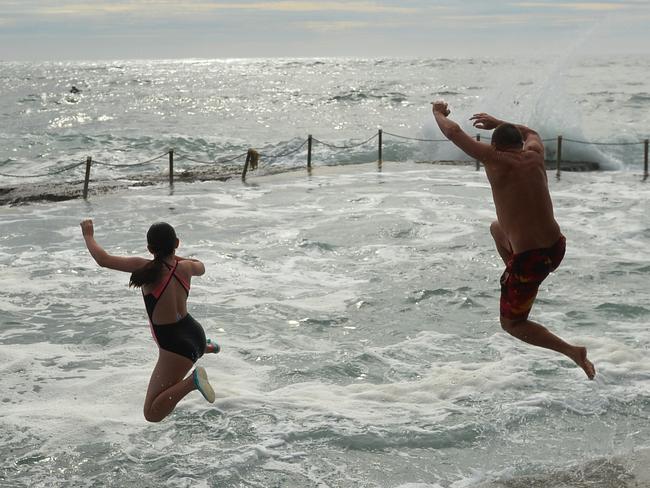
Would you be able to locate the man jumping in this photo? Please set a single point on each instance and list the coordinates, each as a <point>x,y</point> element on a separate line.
<point>526,234</point>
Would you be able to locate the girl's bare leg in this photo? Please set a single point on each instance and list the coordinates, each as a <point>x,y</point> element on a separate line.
<point>168,385</point>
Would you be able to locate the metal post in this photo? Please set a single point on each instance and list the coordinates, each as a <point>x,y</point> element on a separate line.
<point>309,152</point>
<point>380,148</point>
<point>89,161</point>
<point>171,167</point>
<point>645,160</point>
<point>248,160</point>
<point>559,154</point>
<point>478,164</point>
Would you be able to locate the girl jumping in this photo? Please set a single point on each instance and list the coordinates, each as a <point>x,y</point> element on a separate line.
<point>165,284</point>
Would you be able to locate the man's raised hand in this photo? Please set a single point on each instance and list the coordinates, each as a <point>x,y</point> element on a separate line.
<point>485,121</point>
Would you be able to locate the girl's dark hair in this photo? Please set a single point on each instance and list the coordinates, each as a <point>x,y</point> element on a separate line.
<point>161,239</point>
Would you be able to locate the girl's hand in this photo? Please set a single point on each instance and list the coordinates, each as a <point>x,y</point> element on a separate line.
<point>441,106</point>
<point>87,228</point>
<point>128,264</point>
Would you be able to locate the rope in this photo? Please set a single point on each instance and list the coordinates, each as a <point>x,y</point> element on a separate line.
<point>414,138</point>
<point>543,140</point>
<point>221,161</point>
<point>289,153</point>
<point>345,147</point>
<point>116,165</point>
<point>603,143</point>
<point>67,168</point>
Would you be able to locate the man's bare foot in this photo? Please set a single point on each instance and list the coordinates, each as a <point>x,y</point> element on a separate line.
<point>581,360</point>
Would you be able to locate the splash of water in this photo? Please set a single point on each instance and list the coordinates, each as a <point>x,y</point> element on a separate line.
<point>534,94</point>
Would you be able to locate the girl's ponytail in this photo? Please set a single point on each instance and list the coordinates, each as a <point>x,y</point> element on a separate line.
<point>149,273</point>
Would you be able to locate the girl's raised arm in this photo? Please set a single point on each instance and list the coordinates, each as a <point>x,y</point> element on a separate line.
<point>105,260</point>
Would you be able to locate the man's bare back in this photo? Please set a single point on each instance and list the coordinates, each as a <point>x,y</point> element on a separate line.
<point>522,200</point>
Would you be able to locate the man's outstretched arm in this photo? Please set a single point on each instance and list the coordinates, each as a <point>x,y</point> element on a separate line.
<point>453,132</point>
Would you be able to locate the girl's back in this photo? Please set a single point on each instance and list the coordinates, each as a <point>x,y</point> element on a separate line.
<point>172,302</point>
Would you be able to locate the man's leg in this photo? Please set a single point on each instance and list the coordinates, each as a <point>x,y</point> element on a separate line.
<point>527,330</point>
<point>503,245</point>
<point>538,335</point>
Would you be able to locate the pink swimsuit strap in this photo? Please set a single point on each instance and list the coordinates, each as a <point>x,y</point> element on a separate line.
<point>172,274</point>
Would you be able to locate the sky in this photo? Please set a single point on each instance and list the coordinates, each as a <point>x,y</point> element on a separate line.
<point>56,30</point>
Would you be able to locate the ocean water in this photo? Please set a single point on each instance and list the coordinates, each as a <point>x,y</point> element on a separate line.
<point>131,111</point>
<point>357,308</point>
<point>358,313</point>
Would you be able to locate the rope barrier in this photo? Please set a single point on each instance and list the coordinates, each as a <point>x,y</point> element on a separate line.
<point>604,143</point>
<point>414,138</point>
<point>118,165</point>
<point>289,153</point>
<point>543,140</point>
<point>67,168</point>
<point>345,147</point>
<point>220,161</point>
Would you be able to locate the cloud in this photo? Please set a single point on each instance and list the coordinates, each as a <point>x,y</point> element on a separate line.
<point>325,26</point>
<point>91,9</point>
<point>286,6</point>
<point>488,21</point>
<point>309,27</point>
<point>334,26</point>
<point>577,6</point>
<point>157,7</point>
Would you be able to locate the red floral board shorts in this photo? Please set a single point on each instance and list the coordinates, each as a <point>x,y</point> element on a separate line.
<point>524,273</point>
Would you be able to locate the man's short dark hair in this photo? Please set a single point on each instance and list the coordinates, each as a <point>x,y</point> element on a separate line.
<point>507,136</point>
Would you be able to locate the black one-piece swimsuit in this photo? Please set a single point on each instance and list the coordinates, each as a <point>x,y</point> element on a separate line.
<point>186,336</point>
